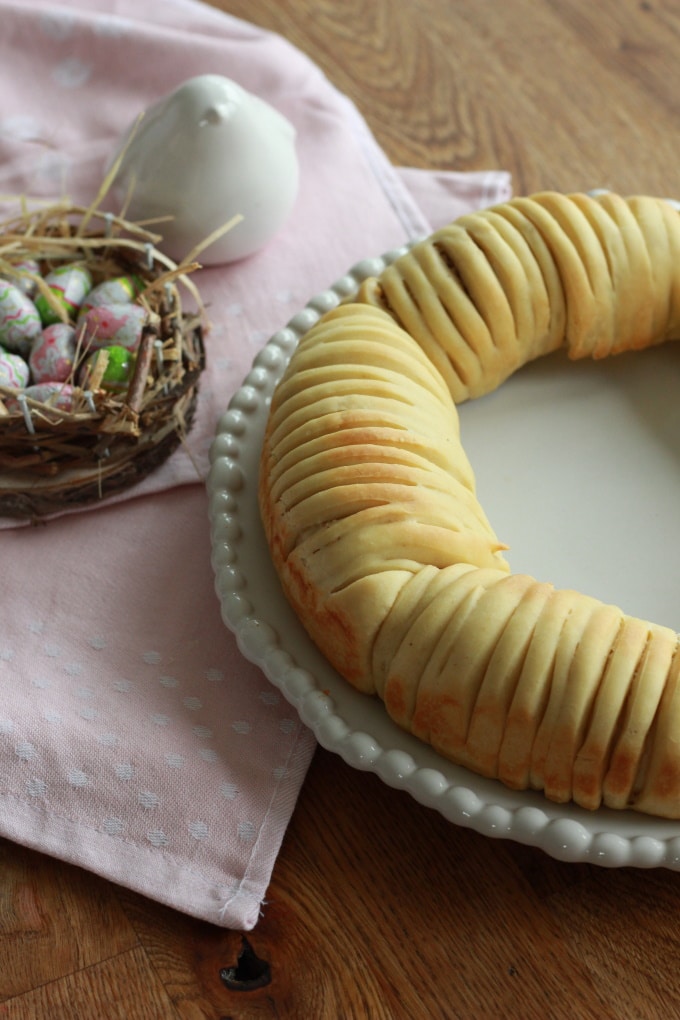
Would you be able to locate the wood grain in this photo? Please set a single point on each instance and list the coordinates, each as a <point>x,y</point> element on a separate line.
<point>564,95</point>
<point>47,926</point>
<point>378,907</point>
<point>116,989</point>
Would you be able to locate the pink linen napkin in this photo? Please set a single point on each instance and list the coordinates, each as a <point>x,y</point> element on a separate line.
<point>135,740</point>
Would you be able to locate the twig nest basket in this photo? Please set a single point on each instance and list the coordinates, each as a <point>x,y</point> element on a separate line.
<point>98,427</point>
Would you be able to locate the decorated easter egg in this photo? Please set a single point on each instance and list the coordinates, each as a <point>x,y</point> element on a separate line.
<point>53,353</point>
<point>27,269</point>
<point>119,291</point>
<point>14,371</point>
<point>19,319</point>
<point>118,324</point>
<point>118,372</point>
<point>69,285</point>
<point>55,394</point>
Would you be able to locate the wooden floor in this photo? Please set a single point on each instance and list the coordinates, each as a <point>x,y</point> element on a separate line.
<point>73,946</point>
<point>476,85</point>
<point>547,942</point>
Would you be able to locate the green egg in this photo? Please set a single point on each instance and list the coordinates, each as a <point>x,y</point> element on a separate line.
<point>120,366</point>
<point>118,370</point>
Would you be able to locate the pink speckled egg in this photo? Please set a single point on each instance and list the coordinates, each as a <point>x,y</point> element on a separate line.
<point>120,324</point>
<point>53,353</point>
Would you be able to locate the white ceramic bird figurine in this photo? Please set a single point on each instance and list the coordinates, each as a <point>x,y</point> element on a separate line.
<point>209,151</point>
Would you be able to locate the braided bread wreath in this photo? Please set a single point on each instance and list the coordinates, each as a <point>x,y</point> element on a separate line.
<point>368,501</point>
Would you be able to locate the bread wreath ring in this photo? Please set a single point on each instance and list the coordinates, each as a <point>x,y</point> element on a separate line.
<point>369,506</point>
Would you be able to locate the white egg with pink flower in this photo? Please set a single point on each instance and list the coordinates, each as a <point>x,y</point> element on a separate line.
<point>53,354</point>
<point>120,324</point>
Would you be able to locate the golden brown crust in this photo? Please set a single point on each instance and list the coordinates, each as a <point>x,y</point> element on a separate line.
<point>371,515</point>
<point>500,287</point>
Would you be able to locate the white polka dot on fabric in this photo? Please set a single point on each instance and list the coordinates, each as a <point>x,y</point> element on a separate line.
<point>97,642</point>
<point>208,754</point>
<point>36,626</point>
<point>151,657</point>
<point>77,778</point>
<point>71,73</point>
<point>169,681</point>
<point>269,697</point>
<point>241,726</point>
<point>235,308</point>
<point>287,725</point>
<point>41,682</point>
<point>284,296</point>
<point>88,713</point>
<point>6,654</point>
<point>124,770</point>
<point>113,826</point>
<point>203,732</point>
<point>174,760</point>
<point>51,650</point>
<point>148,799</point>
<point>199,830</point>
<point>6,727</point>
<point>36,787</point>
<point>257,337</point>
<point>246,832</point>
<point>214,675</point>
<point>158,719</point>
<point>157,838</point>
<point>85,693</point>
<point>280,772</point>
<point>51,716</point>
<point>73,668</point>
<point>107,739</point>
<point>25,751</point>
<point>122,685</point>
<point>193,704</point>
<point>229,791</point>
